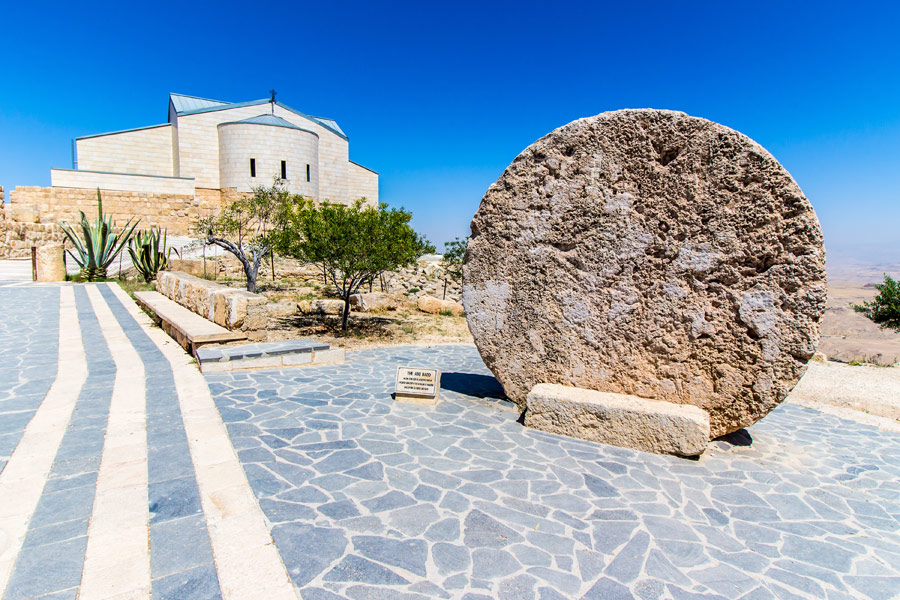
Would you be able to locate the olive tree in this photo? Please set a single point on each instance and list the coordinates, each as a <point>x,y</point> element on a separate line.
<point>353,244</point>
<point>454,254</point>
<point>885,308</point>
<point>249,226</point>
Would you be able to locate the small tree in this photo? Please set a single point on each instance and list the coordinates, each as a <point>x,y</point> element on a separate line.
<point>454,254</point>
<point>885,309</point>
<point>249,226</point>
<point>354,244</point>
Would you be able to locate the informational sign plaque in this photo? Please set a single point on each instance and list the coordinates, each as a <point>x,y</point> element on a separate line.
<point>417,385</point>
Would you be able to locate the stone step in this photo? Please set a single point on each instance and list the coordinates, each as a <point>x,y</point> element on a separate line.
<point>268,355</point>
<point>186,327</point>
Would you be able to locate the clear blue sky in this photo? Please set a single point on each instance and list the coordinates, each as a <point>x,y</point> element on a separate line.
<point>440,97</point>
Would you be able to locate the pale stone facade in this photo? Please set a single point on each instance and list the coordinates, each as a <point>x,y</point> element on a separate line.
<point>210,145</point>
<point>147,151</point>
<point>172,174</point>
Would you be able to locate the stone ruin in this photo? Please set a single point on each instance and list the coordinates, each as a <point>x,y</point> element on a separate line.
<point>652,254</point>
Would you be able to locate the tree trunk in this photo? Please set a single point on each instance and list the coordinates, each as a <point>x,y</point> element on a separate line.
<point>445,289</point>
<point>346,314</point>
<point>249,273</point>
<point>272,255</point>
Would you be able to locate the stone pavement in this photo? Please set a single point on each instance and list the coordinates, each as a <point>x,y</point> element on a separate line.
<point>372,499</point>
<point>126,474</point>
<point>122,482</point>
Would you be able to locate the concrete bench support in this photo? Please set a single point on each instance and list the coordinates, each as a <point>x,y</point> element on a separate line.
<point>618,419</point>
<point>187,328</point>
<point>270,355</point>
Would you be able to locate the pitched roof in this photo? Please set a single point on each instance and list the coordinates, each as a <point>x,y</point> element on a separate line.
<point>329,123</point>
<point>269,120</point>
<point>190,105</point>
<point>184,103</point>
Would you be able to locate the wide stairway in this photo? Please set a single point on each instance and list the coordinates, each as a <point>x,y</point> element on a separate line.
<point>118,478</point>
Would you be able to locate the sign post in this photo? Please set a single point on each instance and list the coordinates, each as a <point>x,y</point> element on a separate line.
<point>417,386</point>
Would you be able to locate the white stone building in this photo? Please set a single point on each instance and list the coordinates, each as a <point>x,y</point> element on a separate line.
<point>214,145</point>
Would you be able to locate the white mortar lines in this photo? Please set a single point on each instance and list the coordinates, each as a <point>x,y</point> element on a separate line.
<point>23,479</point>
<point>247,561</point>
<point>117,560</point>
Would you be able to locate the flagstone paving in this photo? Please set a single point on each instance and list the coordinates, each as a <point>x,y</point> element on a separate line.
<point>323,486</point>
<point>368,498</point>
<point>29,329</point>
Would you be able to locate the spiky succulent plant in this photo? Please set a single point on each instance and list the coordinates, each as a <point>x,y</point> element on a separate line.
<point>98,245</point>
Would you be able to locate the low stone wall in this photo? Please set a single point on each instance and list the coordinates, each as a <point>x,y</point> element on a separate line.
<point>237,310</point>
<point>17,237</point>
<point>175,213</point>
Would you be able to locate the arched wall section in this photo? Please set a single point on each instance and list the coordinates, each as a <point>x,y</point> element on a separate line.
<point>268,146</point>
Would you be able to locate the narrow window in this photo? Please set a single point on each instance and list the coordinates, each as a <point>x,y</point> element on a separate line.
<point>307,172</point>
<point>283,169</point>
<point>252,167</point>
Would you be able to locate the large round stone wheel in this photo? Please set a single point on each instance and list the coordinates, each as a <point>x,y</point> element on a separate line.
<point>651,253</point>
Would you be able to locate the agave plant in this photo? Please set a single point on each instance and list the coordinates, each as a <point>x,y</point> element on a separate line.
<point>100,244</point>
<point>146,256</point>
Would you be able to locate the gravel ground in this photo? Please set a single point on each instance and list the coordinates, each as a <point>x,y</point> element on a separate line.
<point>868,389</point>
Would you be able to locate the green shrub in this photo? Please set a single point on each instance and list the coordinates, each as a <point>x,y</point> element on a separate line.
<point>354,244</point>
<point>885,309</point>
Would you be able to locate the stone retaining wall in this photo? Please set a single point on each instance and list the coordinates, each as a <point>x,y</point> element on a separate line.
<point>175,213</point>
<point>237,310</point>
<point>17,237</point>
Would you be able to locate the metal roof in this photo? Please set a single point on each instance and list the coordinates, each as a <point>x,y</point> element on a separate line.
<point>189,105</point>
<point>269,120</point>
<point>184,103</point>
<point>329,123</point>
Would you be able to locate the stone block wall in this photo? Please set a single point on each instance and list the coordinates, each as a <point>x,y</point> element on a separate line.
<point>154,184</point>
<point>237,310</point>
<point>175,213</point>
<point>198,149</point>
<point>17,237</point>
<point>363,183</point>
<point>268,146</point>
<point>148,150</point>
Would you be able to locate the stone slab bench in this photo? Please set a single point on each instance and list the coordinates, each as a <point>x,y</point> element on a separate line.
<point>234,309</point>
<point>186,327</point>
<point>268,355</point>
<point>618,419</point>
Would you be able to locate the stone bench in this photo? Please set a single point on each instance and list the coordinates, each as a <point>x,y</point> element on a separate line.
<point>231,308</point>
<point>270,355</point>
<point>187,328</point>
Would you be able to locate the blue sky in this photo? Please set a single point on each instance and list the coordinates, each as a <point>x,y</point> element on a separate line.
<point>440,97</point>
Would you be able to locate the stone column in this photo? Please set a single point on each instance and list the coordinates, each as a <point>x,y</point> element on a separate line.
<point>50,266</point>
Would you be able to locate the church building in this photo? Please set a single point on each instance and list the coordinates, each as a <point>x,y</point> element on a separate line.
<point>211,145</point>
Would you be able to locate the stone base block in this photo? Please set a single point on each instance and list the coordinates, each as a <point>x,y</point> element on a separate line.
<point>618,419</point>
<point>50,265</point>
<point>272,355</point>
<point>334,356</point>
<point>421,400</point>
